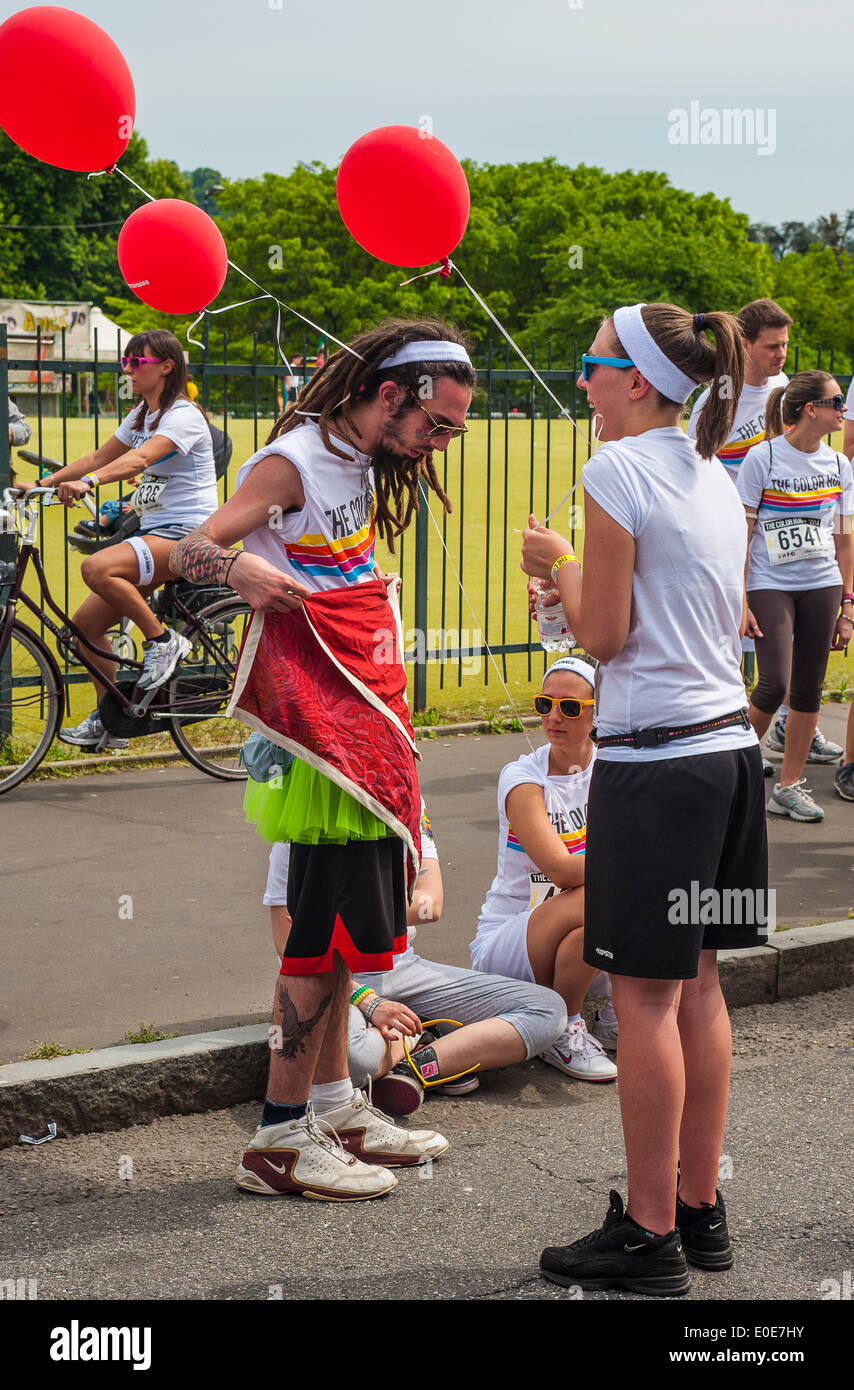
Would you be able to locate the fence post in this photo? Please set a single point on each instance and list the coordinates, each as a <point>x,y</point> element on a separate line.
<point>421,539</point>
<point>7,538</point>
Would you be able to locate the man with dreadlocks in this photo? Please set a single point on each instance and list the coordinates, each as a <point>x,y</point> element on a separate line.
<point>342,463</point>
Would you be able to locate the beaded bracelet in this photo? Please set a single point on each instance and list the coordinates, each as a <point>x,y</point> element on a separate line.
<point>370,1009</point>
<point>359,994</point>
<point>561,560</point>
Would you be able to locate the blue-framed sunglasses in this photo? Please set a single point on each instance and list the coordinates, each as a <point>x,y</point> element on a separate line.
<point>588,363</point>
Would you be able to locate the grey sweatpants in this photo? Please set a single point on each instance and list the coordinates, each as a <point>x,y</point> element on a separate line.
<point>448,991</point>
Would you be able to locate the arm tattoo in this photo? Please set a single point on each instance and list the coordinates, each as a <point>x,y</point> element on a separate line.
<point>200,560</point>
<point>293,1031</point>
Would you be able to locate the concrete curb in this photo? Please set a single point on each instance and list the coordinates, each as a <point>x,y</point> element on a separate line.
<point>120,1086</point>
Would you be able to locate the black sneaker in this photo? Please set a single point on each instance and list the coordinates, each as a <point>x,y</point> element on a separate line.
<point>620,1255</point>
<point>704,1234</point>
<point>843,781</point>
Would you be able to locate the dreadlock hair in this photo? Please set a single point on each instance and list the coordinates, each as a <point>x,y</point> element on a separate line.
<point>345,380</point>
<point>676,332</point>
<point>785,403</point>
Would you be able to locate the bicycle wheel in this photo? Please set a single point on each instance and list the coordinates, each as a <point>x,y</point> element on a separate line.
<point>30,705</point>
<point>200,691</point>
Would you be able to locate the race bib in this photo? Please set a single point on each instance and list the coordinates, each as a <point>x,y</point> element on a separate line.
<point>791,538</point>
<point>542,889</point>
<point>145,499</point>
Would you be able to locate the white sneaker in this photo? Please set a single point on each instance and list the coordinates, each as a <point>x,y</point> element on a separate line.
<point>160,659</point>
<point>794,802</point>
<point>605,1033</point>
<point>300,1157</point>
<point>578,1054</point>
<point>371,1136</point>
<point>89,734</point>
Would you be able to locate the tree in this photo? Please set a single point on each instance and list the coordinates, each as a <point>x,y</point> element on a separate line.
<point>70,223</point>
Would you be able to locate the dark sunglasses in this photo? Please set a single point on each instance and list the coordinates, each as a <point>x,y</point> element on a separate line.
<point>134,363</point>
<point>570,709</point>
<point>453,430</point>
<point>835,402</point>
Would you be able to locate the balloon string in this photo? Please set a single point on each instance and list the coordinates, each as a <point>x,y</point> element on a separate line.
<point>486,645</point>
<point>265,293</point>
<point>562,408</point>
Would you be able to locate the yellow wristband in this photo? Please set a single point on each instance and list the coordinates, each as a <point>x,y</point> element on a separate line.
<point>561,560</point>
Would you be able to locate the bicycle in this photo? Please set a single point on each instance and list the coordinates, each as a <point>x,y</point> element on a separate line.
<point>190,705</point>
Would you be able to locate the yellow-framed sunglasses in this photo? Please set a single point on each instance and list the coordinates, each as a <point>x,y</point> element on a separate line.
<point>569,708</point>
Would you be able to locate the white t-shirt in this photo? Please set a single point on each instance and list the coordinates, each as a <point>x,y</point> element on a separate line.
<point>518,883</point>
<point>748,427</point>
<point>276,891</point>
<point>681,663</point>
<point>804,497</point>
<point>180,489</point>
<point>329,543</point>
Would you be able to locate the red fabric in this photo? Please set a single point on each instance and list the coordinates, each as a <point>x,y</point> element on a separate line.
<point>297,691</point>
<point>357,961</point>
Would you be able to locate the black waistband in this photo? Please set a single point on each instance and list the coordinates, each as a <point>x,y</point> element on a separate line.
<point>654,738</point>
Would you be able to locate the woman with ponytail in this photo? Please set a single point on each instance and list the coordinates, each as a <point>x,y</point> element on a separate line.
<point>799,497</point>
<point>676,797</point>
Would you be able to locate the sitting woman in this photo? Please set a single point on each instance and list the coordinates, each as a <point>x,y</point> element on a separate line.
<point>166,440</point>
<point>503,1022</point>
<point>531,924</point>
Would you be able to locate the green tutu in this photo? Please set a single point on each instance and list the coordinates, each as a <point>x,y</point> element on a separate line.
<point>307,808</point>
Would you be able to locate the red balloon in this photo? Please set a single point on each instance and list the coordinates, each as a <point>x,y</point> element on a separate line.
<point>403,196</point>
<point>66,93</point>
<point>172,256</point>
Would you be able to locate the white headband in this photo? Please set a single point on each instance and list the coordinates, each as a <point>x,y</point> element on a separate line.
<point>575,665</point>
<point>427,351</point>
<point>647,356</point>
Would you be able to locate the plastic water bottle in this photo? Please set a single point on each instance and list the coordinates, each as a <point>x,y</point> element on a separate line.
<point>552,625</point>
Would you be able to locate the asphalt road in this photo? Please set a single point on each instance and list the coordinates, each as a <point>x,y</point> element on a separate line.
<point>152,1212</point>
<point>136,897</point>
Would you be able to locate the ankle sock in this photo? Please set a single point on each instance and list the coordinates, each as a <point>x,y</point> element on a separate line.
<point>276,1114</point>
<point>149,642</point>
<point>330,1095</point>
<point>650,1235</point>
<point>572,1018</point>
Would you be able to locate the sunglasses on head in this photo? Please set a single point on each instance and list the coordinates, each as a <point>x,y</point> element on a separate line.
<point>835,402</point>
<point>134,363</point>
<point>453,430</point>
<point>569,708</point>
<point>588,363</point>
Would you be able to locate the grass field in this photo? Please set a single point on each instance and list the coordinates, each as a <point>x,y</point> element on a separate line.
<point>493,482</point>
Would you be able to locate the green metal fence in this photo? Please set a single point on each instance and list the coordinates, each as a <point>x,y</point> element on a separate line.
<point>519,456</point>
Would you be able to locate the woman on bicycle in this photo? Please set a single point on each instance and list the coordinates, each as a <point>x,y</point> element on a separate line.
<point>166,439</point>
<point>799,496</point>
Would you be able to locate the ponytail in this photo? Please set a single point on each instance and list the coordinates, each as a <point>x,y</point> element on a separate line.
<point>785,403</point>
<point>682,338</point>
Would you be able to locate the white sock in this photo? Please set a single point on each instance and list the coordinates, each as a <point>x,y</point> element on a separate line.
<point>572,1018</point>
<point>606,1013</point>
<point>331,1095</point>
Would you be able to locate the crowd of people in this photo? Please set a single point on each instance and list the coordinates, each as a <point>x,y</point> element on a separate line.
<point>650,773</point>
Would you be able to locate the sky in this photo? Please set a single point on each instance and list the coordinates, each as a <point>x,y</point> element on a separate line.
<point>250,86</point>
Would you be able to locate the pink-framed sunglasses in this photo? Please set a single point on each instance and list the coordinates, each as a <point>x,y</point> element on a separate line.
<point>134,363</point>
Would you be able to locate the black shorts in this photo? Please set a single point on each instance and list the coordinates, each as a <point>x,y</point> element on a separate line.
<point>347,898</point>
<point>676,863</point>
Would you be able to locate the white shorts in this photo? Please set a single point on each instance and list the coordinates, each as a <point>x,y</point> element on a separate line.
<point>276,891</point>
<point>504,949</point>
